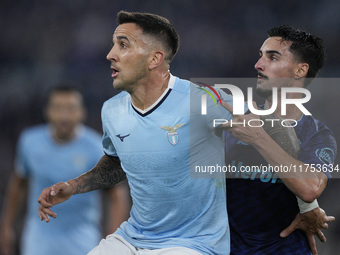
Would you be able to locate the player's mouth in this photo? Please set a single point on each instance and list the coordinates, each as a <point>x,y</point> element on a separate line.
<point>115,72</point>
<point>261,76</point>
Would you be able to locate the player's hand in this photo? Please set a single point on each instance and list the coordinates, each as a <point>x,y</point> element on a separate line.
<point>311,223</point>
<point>242,129</point>
<point>53,195</point>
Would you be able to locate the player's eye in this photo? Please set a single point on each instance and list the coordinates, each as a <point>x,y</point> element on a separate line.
<point>273,58</point>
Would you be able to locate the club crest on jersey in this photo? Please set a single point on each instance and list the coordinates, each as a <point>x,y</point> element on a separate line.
<point>172,133</point>
<point>326,155</point>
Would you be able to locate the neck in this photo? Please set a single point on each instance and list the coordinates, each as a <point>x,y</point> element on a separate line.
<point>148,92</point>
<point>292,111</point>
<point>63,137</point>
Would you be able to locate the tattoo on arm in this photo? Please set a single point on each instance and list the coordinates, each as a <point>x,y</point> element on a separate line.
<point>105,174</point>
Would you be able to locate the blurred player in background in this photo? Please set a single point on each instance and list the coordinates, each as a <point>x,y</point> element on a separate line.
<point>261,205</point>
<point>59,150</point>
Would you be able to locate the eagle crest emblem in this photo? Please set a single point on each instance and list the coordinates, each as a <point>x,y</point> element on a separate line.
<point>172,133</point>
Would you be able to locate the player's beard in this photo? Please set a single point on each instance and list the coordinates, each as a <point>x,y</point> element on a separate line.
<point>128,81</point>
<point>264,92</point>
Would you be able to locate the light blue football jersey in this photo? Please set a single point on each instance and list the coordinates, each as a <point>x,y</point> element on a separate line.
<point>156,148</point>
<point>77,227</point>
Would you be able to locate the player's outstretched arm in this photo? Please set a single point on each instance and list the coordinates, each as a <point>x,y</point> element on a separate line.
<point>105,174</point>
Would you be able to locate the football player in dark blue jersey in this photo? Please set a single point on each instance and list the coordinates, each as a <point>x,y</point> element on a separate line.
<point>262,204</point>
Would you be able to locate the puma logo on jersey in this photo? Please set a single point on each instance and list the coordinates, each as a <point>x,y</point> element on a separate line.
<point>122,137</point>
<point>172,134</point>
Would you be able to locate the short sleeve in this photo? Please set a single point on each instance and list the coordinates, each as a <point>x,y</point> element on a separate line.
<point>108,146</point>
<point>21,163</point>
<point>320,151</point>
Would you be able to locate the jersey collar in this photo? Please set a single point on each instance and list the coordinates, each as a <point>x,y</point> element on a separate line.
<point>159,101</point>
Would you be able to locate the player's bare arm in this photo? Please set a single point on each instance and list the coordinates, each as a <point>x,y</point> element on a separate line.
<point>306,184</point>
<point>105,174</point>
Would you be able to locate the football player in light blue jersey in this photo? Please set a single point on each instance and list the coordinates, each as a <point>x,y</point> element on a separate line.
<point>59,150</point>
<point>154,135</point>
<point>155,149</point>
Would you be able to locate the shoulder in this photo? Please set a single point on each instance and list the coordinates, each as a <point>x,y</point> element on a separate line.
<point>89,141</point>
<point>90,133</point>
<point>33,136</point>
<point>115,100</point>
<point>309,127</point>
<point>181,85</point>
<point>216,94</point>
<point>317,137</point>
<point>34,132</point>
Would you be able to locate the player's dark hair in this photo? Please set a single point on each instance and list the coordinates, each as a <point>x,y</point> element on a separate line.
<point>156,26</point>
<point>306,47</point>
<point>63,88</point>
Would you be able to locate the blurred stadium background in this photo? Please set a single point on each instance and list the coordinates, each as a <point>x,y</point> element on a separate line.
<point>43,43</point>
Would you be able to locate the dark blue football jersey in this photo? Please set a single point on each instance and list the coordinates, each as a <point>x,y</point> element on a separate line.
<point>259,204</point>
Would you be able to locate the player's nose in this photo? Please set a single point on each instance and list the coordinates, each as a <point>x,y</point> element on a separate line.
<point>259,65</point>
<point>112,56</point>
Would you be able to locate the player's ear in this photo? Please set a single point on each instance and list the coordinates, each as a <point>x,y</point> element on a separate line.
<point>156,59</point>
<point>301,70</point>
